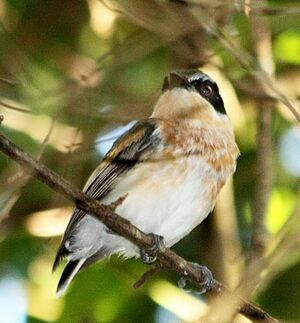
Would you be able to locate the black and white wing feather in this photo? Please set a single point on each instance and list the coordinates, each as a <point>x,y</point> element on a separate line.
<point>136,145</point>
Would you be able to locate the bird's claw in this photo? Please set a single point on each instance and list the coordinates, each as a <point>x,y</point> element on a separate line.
<point>149,255</point>
<point>208,279</point>
<point>182,282</point>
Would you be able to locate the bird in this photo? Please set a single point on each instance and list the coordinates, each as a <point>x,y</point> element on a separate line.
<point>170,168</point>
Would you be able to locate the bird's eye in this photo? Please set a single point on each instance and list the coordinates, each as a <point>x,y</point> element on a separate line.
<point>206,90</point>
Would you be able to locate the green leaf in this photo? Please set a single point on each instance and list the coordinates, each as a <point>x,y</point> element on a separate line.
<point>287,47</point>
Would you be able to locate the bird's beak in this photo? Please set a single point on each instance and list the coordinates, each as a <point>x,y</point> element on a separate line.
<point>173,80</point>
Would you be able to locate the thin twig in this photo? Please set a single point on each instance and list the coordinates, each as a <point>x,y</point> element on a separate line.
<point>118,202</point>
<point>253,90</point>
<point>147,275</point>
<point>9,82</point>
<point>12,107</point>
<point>259,75</point>
<point>22,178</point>
<point>166,258</point>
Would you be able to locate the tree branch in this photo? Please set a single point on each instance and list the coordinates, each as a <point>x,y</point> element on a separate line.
<point>261,39</point>
<point>167,259</point>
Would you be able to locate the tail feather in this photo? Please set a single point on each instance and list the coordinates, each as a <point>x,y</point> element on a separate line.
<point>73,267</point>
<point>68,274</point>
<point>61,254</point>
<point>94,258</point>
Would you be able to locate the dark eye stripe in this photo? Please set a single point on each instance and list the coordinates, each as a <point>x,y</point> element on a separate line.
<point>214,99</point>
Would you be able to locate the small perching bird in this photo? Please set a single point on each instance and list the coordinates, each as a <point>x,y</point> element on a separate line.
<point>169,167</point>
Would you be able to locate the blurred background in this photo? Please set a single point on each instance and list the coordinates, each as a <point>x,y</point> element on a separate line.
<point>75,74</point>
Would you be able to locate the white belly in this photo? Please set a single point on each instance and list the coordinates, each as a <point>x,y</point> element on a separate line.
<point>168,199</point>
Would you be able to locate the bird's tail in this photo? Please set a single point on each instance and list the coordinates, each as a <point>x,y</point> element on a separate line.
<point>68,274</point>
<point>73,267</point>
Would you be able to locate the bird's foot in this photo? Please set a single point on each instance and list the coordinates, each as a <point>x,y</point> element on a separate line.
<point>149,255</point>
<point>208,279</point>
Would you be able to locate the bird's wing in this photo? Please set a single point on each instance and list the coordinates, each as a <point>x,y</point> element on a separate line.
<point>136,145</point>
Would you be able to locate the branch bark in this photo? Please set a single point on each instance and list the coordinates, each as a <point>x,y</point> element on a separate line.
<point>262,44</point>
<point>166,258</point>
<point>263,182</point>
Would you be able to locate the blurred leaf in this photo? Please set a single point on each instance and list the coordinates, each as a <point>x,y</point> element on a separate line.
<point>287,47</point>
<point>281,206</point>
<point>282,298</point>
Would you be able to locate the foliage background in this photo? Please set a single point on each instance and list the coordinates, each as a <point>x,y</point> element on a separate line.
<point>71,71</point>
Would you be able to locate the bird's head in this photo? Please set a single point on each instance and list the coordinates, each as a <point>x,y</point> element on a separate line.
<point>190,94</point>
